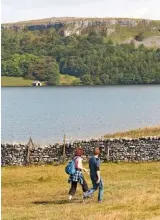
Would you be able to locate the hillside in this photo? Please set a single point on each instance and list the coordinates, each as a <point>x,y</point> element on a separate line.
<point>67,26</point>
<point>104,51</point>
<point>152,41</point>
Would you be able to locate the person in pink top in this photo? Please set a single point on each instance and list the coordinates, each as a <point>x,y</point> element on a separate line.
<point>78,177</point>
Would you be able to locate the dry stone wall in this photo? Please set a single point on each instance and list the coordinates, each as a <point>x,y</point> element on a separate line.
<point>112,150</point>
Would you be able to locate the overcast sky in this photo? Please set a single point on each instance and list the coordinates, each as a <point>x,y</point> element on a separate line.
<point>19,10</point>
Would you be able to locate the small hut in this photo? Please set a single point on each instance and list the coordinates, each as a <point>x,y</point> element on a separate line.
<point>36,83</point>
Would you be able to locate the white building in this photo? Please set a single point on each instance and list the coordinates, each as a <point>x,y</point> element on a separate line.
<point>36,83</point>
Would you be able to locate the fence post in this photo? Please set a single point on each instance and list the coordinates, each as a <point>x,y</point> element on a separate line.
<point>30,143</point>
<point>64,146</point>
<point>64,150</point>
<point>108,154</point>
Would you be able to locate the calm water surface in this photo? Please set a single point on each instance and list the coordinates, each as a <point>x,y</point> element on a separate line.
<point>46,114</point>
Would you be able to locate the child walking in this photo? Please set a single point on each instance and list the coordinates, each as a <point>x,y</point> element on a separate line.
<point>77,177</point>
<point>94,166</point>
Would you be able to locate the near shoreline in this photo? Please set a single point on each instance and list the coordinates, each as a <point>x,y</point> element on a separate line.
<point>136,133</point>
<point>153,131</point>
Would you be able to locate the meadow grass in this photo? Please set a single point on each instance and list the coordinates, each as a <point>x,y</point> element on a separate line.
<point>15,81</point>
<point>20,81</point>
<point>68,80</point>
<point>123,33</point>
<point>136,133</point>
<point>132,192</point>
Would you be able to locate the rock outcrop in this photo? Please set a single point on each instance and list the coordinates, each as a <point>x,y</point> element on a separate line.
<point>70,26</point>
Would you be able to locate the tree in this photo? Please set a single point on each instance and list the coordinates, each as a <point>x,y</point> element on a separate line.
<point>105,79</point>
<point>52,74</point>
<point>140,36</point>
<point>86,79</point>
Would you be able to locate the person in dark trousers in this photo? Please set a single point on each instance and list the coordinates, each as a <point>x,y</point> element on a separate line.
<point>94,166</point>
<point>78,177</point>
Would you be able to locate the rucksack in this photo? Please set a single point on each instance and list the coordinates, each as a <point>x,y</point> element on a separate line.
<point>70,168</point>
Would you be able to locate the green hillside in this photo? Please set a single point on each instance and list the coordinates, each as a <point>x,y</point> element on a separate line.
<point>95,51</point>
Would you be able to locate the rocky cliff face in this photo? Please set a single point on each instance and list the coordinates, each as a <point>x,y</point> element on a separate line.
<point>69,26</point>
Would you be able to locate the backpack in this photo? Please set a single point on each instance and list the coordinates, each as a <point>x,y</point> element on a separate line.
<point>70,168</point>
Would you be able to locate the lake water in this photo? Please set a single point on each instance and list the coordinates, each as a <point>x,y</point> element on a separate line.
<point>46,113</point>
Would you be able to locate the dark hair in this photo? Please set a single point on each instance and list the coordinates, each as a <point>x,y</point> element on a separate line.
<point>79,152</point>
<point>96,151</point>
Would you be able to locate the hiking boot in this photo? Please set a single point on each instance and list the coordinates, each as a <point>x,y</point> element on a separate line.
<point>87,196</point>
<point>84,197</point>
<point>100,201</point>
<point>70,198</point>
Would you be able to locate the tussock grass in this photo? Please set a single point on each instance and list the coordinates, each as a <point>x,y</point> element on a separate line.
<point>136,133</point>
<point>131,192</point>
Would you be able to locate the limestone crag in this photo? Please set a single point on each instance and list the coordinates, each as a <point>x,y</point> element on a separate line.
<point>113,150</point>
<point>70,26</point>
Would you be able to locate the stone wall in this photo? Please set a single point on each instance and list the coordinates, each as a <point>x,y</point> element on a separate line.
<point>113,150</point>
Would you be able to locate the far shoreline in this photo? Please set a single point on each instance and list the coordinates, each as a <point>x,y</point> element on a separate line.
<point>12,82</point>
<point>91,86</point>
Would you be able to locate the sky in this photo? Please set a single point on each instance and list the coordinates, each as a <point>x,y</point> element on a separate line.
<point>20,10</point>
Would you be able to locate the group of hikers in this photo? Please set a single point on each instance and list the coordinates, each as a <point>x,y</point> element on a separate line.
<point>78,177</point>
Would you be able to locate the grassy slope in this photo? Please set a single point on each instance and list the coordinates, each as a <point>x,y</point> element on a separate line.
<point>141,132</point>
<point>123,33</point>
<point>15,81</point>
<point>131,192</point>
<point>68,80</point>
<point>19,81</point>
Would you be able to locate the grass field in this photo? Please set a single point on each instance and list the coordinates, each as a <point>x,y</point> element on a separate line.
<point>136,133</point>
<point>123,33</point>
<point>20,81</point>
<point>132,192</point>
<point>15,81</point>
<point>68,80</point>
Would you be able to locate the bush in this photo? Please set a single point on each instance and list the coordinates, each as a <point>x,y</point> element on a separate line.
<point>140,36</point>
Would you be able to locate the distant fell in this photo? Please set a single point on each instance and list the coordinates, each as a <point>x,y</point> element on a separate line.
<point>96,51</point>
<point>81,19</point>
<point>118,29</point>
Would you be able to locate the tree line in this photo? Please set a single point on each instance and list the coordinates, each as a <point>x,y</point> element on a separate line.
<point>93,58</point>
